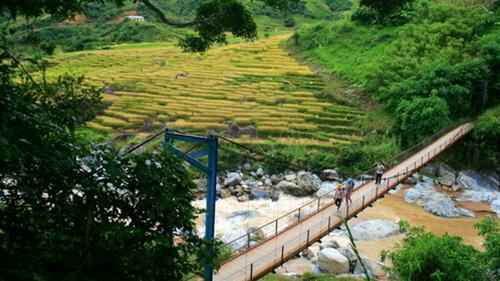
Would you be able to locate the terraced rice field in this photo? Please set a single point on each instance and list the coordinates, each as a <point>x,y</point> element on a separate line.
<point>255,83</point>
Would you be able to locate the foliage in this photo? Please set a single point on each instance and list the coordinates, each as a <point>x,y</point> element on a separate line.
<point>425,256</point>
<point>489,229</point>
<point>485,139</point>
<point>384,11</point>
<point>71,213</point>
<point>419,117</point>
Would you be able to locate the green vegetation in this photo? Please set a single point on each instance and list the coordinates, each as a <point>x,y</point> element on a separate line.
<point>425,256</point>
<point>436,66</point>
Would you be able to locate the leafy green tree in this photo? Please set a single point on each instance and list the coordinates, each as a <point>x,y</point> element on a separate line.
<point>419,117</point>
<point>485,139</point>
<point>425,256</point>
<point>385,7</point>
<point>213,18</point>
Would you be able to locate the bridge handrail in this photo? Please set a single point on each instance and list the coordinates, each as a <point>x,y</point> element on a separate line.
<point>317,201</point>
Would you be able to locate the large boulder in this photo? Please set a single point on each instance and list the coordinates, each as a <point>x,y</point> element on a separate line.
<point>495,206</point>
<point>309,182</point>
<point>326,188</point>
<point>232,179</point>
<point>291,177</point>
<point>296,267</point>
<point>412,195</point>
<point>291,188</point>
<point>329,175</point>
<point>374,229</point>
<point>478,196</point>
<point>475,181</point>
<point>372,267</point>
<point>256,194</point>
<point>442,205</point>
<point>332,261</point>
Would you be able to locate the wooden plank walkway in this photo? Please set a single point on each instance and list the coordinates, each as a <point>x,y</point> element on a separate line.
<point>289,240</point>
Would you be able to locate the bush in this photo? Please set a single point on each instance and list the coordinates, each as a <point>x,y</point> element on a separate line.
<point>365,15</point>
<point>419,117</point>
<point>289,22</point>
<point>425,256</point>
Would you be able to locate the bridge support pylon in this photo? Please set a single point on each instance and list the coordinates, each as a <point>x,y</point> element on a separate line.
<point>211,144</point>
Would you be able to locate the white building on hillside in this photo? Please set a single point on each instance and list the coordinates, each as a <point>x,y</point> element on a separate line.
<point>135,18</point>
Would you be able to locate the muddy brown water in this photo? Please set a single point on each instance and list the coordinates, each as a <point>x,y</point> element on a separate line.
<point>393,207</point>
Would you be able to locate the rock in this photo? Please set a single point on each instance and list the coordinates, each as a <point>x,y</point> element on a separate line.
<point>225,193</point>
<point>246,167</point>
<point>291,188</point>
<point>326,188</point>
<point>396,190</point>
<point>308,182</point>
<point>268,182</point>
<point>475,181</point>
<point>275,195</point>
<point>259,172</point>
<point>296,267</point>
<point>329,243</point>
<point>275,179</point>
<point>495,206</point>
<point>291,177</point>
<point>374,229</point>
<point>329,175</point>
<point>307,253</point>
<point>442,205</point>
<point>232,179</point>
<point>348,253</point>
<point>478,196</point>
<point>256,235</point>
<point>372,267</point>
<point>256,194</point>
<point>243,198</point>
<point>430,170</point>
<point>412,195</point>
<point>332,261</point>
<point>201,184</point>
<point>411,180</point>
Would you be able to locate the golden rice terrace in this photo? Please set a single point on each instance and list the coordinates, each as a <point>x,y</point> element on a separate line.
<point>251,84</point>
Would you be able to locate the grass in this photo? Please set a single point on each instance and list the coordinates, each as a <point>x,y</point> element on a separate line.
<point>251,83</point>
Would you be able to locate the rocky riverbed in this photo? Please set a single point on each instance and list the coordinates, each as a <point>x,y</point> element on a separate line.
<point>440,199</point>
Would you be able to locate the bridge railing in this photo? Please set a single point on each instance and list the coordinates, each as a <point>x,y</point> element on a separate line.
<point>272,229</point>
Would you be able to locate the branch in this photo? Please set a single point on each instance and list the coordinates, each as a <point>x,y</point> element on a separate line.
<point>355,249</point>
<point>164,18</point>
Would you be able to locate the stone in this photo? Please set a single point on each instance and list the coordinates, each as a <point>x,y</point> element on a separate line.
<point>225,193</point>
<point>243,198</point>
<point>411,180</point>
<point>232,179</point>
<point>259,172</point>
<point>275,179</point>
<point>275,195</point>
<point>374,229</point>
<point>329,243</point>
<point>412,195</point>
<point>291,177</point>
<point>307,253</point>
<point>332,261</point>
<point>256,194</point>
<point>201,184</point>
<point>475,181</point>
<point>326,188</point>
<point>291,188</point>
<point>308,182</point>
<point>478,196</point>
<point>296,267</point>
<point>329,175</point>
<point>372,267</point>
<point>495,206</point>
<point>246,167</point>
<point>442,205</point>
<point>348,253</point>
<point>268,182</point>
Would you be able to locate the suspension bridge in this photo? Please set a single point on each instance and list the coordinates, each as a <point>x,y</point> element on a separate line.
<point>265,248</point>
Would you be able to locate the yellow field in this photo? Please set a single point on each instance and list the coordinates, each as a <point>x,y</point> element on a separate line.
<point>256,83</point>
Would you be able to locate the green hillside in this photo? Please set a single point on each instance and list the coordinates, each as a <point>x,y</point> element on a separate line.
<point>103,24</point>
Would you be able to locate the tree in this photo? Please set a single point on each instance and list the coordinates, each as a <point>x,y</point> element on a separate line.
<point>385,7</point>
<point>213,18</point>
<point>419,117</point>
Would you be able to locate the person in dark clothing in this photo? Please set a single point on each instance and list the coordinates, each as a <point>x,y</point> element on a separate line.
<point>379,172</point>
<point>339,195</point>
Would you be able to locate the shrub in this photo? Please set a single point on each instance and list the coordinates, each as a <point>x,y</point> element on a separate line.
<point>365,15</point>
<point>419,117</point>
<point>289,22</point>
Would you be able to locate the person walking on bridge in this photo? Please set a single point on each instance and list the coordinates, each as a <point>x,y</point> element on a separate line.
<point>339,195</point>
<point>349,184</point>
<point>379,172</point>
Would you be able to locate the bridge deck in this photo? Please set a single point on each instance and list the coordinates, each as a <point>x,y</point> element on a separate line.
<point>259,260</point>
